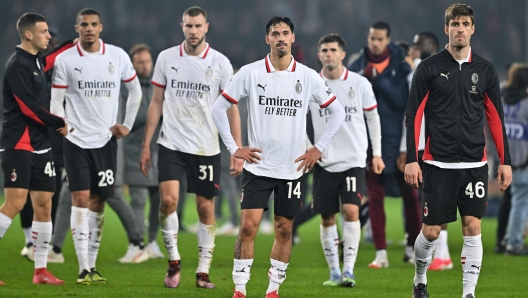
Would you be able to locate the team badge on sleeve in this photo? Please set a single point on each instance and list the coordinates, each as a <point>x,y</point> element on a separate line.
<point>298,87</point>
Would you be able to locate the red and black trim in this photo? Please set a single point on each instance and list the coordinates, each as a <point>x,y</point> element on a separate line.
<point>418,126</point>
<point>130,80</point>
<point>495,125</point>
<point>207,48</point>
<point>229,98</point>
<point>49,59</point>
<point>268,69</point>
<point>102,50</point>
<point>59,86</point>
<point>25,142</point>
<point>27,111</point>
<point>328,102</point>
<point>370,108</point>
<point>157,84</point>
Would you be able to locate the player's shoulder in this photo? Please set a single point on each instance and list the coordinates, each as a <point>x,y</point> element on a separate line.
<point>113,49</point>
<point>357,78</point>
<point>216,54</point>
<point>308,72</point>
<point>172,52</point>
<point>480,60</point>
<point>68,54</point>
<point>253,68</point>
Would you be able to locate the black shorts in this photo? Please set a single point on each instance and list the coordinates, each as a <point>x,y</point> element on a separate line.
<point>256,191</point>
<point>203,172</point>
<point>27,170</point>
<point>446,189</point>
<point>91,169</point>
<point>328,187</point>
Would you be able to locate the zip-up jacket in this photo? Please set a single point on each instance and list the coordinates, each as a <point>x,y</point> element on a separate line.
<point>454,99</point>
<point>26,116</point>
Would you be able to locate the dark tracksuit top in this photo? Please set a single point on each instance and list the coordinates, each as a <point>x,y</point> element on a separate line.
<point>26,116</point>
<point>454,99</point>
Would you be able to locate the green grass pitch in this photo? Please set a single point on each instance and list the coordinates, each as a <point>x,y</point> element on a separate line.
<point>500,277</point>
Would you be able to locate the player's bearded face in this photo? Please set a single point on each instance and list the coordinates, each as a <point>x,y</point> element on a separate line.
<point>41,36</point>
<point>89,28</point>
<point>194,29</point>
<point>280,38</point>
<point>460,31</point>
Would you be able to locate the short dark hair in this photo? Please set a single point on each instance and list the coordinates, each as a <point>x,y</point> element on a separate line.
<point>332,37</point>
<point>27,22</point>
<point>430,37</point>
<point>383,26</point>
<point>138,49</point>
<point>456,10</point>
<point>87,12</point>
<point>276,20</point>
<point>404,45</point>
<point>194,11</point>
<point>518,76</point>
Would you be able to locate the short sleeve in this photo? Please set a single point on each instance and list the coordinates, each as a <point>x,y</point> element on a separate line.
<point>321,93</point>
<point>236,89</point>
<point>226,73</point>
<point>368,100</point>
<point>158,78</point>
<point>59,78</point>
<point>128,73</point>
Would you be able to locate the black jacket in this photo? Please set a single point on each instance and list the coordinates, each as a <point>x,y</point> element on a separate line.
<point>454,99</point>
<point>26,116</point>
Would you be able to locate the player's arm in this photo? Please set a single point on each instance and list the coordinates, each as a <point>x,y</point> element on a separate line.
<point>19,78</point>
<point>49,59</point>
<point>233,115</point>
<point>132,106</point>
<point>402,157</point>
<point>374,127</point>
<point>495,116</point>
<point>153,117</point>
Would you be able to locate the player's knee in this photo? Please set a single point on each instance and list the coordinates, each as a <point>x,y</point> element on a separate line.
<point>248,230</point>
<point>283,228</point>
<point>80,199</point>
<point>168,202</point>
<point>471,228</point>
<point>328,220</point>
<point>431,233</point>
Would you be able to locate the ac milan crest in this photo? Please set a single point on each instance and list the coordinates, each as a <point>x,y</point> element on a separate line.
<point>14,176</point>
<point>242,196</point>
<point>426,210</point>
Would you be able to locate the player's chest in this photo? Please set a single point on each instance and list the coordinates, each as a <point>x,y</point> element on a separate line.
<point>280,85</point>
<point>101,70</point>
<point>185,75</point>
<point>450,83</point>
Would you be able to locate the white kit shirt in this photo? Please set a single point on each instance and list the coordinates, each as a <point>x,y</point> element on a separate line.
<point>348,149</point>
<point>92,82</point>
<point>277,105</point>
<point>192,85</point>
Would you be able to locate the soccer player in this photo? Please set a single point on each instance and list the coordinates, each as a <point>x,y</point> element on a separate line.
<point>26,159</point>
<point>89,77</point>
<point>278,90</point>
<point>452,91</point>
<point>340,173</point>
<point>188,78</point>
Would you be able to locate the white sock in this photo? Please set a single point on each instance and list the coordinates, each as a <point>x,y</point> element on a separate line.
<point>471,260</point>
<point>95,224</point>
<point>5,222</point>
<point>241,274</point>
<point>276,275</point>
<point>423,252</point>
<point>27,235</point>
<point>351,236</point>
<point>42,232</point>
<point>206,244</point>
<point>381,254</point>
<point>169,229</point>
<point>442,250</point>
<point>330,241</point>
<point>80,230</point>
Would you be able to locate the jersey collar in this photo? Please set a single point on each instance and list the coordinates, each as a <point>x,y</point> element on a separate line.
<point>202,55</point>
<point>270,68</point>
<point>469,57</point>
<point>82,52</point>
<point>343,77</point>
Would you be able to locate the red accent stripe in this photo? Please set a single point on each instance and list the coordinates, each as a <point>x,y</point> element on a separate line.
<point>484,157</point>
<point>418,124</point>
<point>427,152</point>
<point>346,75</point>
<point>181,50</point>
<point>267,64</point>
<point>50,58</point>
<point>129,80</point>
<point>371,108</point>
<point>79,50</point>
<point>157,84</point>
<point>328,102</point>
<point>294,65</point>
<point>103,45</point>
<point>27,111</point>
<point>495,125</point>
<point>25,142</point>
<point>33,232</point>
<point>59,86</point>
<point>470,56</point>
<point>206,51</point>
<point>229,98</point>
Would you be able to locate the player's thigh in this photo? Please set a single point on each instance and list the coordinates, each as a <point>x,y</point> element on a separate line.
<point>353,186</point>
<point>171,165</point>
<point>256,191</point>
<point>325,191</point>
<point>16,166</point>
<point>203,175</point>
<point>439,195</point>
<point>288,194</point>
<point>77,165</point>
<point>473,192</point>
<point>43,174</point>
<point>103,166</point>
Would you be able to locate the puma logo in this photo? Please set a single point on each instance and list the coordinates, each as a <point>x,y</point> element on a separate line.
<point>79,70</point>
<point>175,69</point>
<point>263,87</point>
<point>478,267</point>
<point>242,271</point>
<point>444,75</point>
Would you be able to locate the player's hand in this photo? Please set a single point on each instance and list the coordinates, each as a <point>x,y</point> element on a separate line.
<point>144,161</point>
<point>236,166</point>
<point>377,164</point>
<point>413,174</point>
<point>401,161</point>
<point>63,131</point>
<point>504,176</point>
<point>308,159</point>
<point>248,154</point>
<point>119,131</point>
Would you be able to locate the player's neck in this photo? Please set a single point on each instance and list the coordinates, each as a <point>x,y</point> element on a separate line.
<point>458,54</point>
<point>91,47</point>
<point>333,74</point>
<point>194,51</point>
<point>280,63</point>
<point>29,47</point>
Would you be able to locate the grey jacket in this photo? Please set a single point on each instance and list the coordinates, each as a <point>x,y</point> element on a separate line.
<point>516,124</point>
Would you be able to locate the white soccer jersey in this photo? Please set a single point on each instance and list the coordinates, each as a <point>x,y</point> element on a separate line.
<point>348,149</point>
<point>277,105</point>
<point>192,85</point>
<point>92,82</point>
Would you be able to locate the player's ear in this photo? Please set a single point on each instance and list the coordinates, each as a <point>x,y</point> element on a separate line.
<point>28,35</point>
<point>293,37</point>
<point>101,28</point>
<point>446,30</point>
<point>267,39</point>
<point>77,28</point>
<point>343,55</point>
<point>206,27</point>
